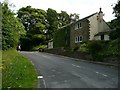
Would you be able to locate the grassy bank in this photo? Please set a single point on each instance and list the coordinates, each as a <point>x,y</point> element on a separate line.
<point>17,71</point>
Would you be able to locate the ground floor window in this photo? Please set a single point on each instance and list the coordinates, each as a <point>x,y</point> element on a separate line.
<point>102,37</point>
<point>78,39</point>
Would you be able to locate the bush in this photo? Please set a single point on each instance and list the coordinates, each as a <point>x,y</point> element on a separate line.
<point>113,48</point>
<point>39,48</point>
<point>83,47</point>
<point>94,47</point>
<point>115,34</point>
<point>75,48</point>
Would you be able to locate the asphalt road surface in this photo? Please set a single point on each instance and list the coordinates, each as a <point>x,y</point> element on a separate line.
<point>62,72</point>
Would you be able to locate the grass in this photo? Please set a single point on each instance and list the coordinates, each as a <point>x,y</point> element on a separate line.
<point>17,71</point>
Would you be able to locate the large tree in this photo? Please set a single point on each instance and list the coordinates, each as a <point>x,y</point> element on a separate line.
<point>52,19</point>
<point>12,29</point>
<point>35,24</point>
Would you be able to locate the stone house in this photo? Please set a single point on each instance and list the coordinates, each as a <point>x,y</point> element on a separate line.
<point>92,27</point>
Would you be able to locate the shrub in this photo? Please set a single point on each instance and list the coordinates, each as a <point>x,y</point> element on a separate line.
<point>94,47</point>
<point>115,34</point>
<point>75,48</point>
<point>39,48</point>
<point>83,47</point>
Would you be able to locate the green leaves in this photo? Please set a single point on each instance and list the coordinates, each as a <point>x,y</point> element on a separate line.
<point>12,29</point>
<point>41,25</point>
<point>35,23</point>
<point>39,36</point>
<point>52,18</point>
<point>63,18</point>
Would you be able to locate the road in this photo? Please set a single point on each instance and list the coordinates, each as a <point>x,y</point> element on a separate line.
<point>63,72</point>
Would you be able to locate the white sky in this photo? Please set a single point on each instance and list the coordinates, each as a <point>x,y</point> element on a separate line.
<point>81,7</point>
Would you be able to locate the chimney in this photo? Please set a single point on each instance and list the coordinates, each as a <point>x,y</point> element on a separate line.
<point>100,15</point>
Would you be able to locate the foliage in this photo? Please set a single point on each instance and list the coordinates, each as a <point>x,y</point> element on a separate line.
<point>35,24</point>
<point>117,9</point>
<point>75,48</point>
<point>63,18</point>
<point>12,29</point>
<point>52,18</point>
<point>115,24</point>
<point>113,48</point>
<point>36,48</point>
<point>94,47</point>
<point>83,47</point>
<point>41,25</point>
<point>62,37</point>
<point>115,34</point>
<point>17,71</point>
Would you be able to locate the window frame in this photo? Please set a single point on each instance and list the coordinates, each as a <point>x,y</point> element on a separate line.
<point>78,26</point>
<point>78,39</point>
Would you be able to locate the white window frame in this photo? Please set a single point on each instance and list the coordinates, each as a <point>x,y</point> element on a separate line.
<point>78,39</point>
<point>78,25</point>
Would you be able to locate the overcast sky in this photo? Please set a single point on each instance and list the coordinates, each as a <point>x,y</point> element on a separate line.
<point>81,7</point>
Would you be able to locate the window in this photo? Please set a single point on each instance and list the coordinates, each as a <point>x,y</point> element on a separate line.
<point>78,39</point>
<point>78,25</point>
<point>102,37</point>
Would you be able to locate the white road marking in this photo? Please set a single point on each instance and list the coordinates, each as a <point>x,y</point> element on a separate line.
<point>51,76</point>
<point>59,72</point>
<point>101,74</point>
<point>53,70</point>
<point>104,75</point>
<point>76,66</point>
<point>65,81</point>
<point>96,72</point>
<point>40,77</point>
<point>73,65</point>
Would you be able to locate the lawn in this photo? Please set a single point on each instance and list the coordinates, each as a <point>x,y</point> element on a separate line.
<point>17,71</point>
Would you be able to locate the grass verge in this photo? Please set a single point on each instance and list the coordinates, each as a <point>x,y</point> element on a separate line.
<point>17,71</point>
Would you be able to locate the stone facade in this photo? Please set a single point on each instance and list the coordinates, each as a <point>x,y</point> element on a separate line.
<point>79,31</point>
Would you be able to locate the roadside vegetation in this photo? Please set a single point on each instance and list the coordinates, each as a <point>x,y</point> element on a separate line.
<point>17,71</point>
<point>100,50</point>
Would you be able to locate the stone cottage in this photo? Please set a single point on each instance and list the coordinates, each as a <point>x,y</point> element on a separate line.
<point>92,27</point>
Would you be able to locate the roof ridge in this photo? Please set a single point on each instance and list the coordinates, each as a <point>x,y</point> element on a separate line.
<point>88,16</point>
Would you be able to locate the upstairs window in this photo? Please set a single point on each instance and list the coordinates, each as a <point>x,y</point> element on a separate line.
<point>78,25</point>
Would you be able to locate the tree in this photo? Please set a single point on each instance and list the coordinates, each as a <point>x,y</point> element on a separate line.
<point>117,14</point>
<point>115,24</point>
<point>12,29</point>
<point>63,18</point>
<point>52,19</point>
<point>35,24</point>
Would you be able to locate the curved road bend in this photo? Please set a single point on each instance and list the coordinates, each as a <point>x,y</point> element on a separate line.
<point>63,72</point>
